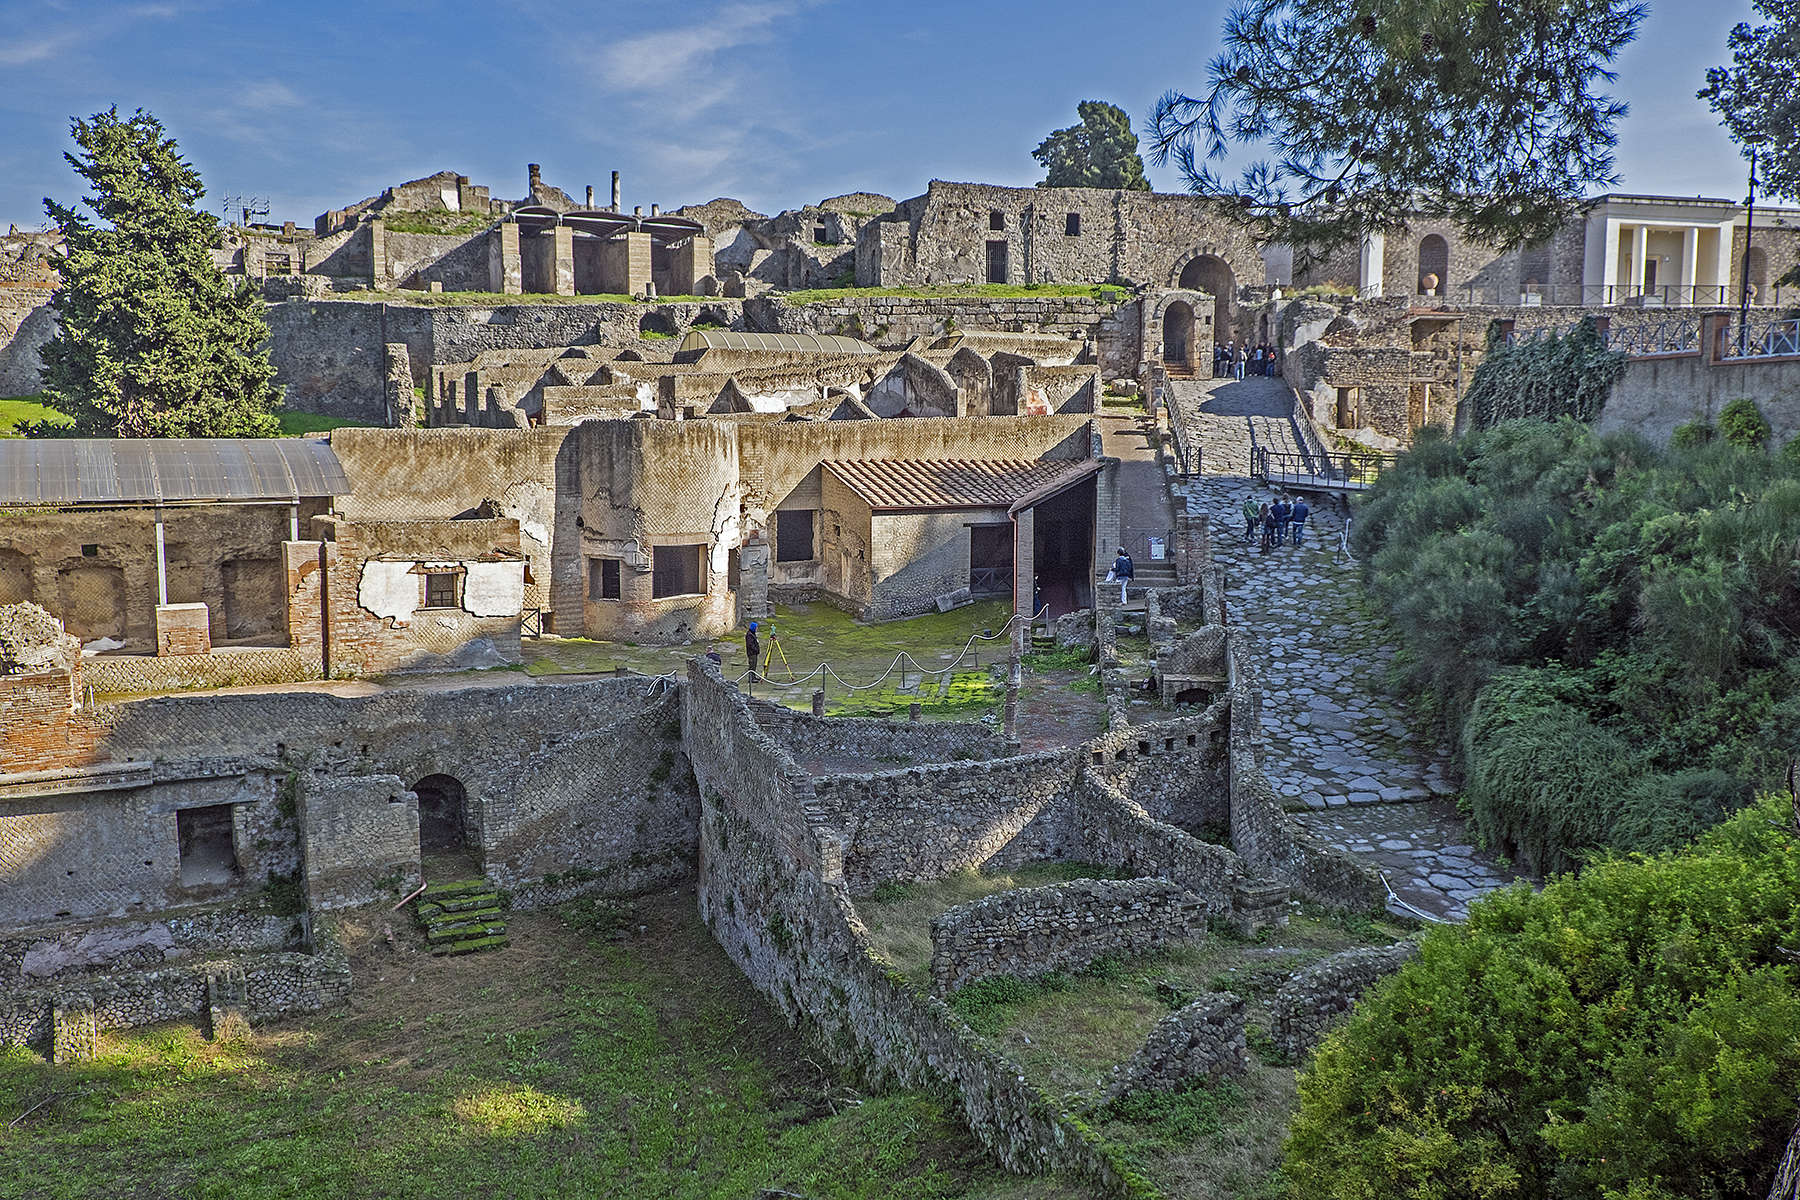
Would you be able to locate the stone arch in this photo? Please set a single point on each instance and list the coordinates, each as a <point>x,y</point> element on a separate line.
<point>1178,334</point>
<point>443,815</point>
<point>1206,270</point>
<point>1198,339</point>
<point>1434,260</point>
<point>1756,270</point>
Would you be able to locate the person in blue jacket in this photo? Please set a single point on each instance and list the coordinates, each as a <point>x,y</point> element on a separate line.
<point>1121,571</point>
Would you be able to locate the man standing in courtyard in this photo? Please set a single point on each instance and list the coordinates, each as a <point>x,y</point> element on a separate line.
<point>1298,519</point>
<point>1252,518</point>
<point>752,648</point>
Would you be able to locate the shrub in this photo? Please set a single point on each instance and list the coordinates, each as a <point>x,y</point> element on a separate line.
<point>1691,434</point>
<point>1634,1030</point>
<point>1560,375</point>
<point>1742,424</point>
<point>1790,451</point>
<point>1666,811</point>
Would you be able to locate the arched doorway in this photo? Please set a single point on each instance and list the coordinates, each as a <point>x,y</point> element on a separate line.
<point>1434,265</point>
<point>443,818</point>
<point>1213,275</point>
<point>1178,336</point>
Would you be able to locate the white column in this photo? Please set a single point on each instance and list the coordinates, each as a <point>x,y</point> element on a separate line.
<point>1374,265</point>
<point>1640,247</point>
<point>162,564</point>
<point>1690,261</point>
<point>293,522</point>
<point>1723,264</point>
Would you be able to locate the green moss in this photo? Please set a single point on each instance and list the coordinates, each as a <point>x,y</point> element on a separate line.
<point>295,424</point>
<point>434,220</point>
<point>990,291</point>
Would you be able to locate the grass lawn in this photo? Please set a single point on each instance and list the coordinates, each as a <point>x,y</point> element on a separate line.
<point>295,424</point>
<point>15,409</point>
<point>501,299</point>
<point>815,633</point>
<point>609,1051</point>
<point>1069,1029</point>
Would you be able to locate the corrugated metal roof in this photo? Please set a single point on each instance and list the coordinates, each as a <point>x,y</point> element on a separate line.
<point>67,472</point>
<point>951,483</point>
<point>788,343</point>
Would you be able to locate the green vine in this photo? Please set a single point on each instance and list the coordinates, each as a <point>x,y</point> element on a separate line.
<point>1562,375</point>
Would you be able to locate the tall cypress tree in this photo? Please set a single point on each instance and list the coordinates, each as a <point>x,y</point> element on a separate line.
<point>1101,152</point>
<point>153,340</point>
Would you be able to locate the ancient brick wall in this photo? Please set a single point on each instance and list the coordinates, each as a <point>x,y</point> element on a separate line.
<point>47,726</point>
<point>26,322</point>
<point>360,838</point>
<point>1313,1001</point>
<point>96,570</point>
<point>1061,927</point>
<point>1654,395</point>
<point>806,737</point>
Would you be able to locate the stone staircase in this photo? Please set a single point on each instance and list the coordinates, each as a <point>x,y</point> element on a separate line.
<point>463,917</point>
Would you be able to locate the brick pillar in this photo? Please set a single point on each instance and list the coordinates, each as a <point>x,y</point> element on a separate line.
<point>689,264</point>
<point>505,271</point>
<point>563,265</point>
<point>625,264</point>
<point>1715,328</point>
<point>227,995</point>
<point>1024,565</point>
<point>378,264</point>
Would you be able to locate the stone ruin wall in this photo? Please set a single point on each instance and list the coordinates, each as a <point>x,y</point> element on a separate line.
<point>1310,1004</point>
<point>1201,1040</point>
<point>1059,927</point>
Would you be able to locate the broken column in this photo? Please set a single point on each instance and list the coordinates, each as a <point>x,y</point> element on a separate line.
<point>753,577</point>
<point>399,386</point>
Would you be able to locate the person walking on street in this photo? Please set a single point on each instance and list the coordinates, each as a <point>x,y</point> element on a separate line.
<point>1283,511</point>
<point>1268,527</point>
<point>1121,571</point>
<point>1298,519</point>
<point>1237,361</point>
<point>1252,518</point>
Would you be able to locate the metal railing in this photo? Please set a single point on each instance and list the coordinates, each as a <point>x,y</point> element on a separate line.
<point>1344,470</point>
<point>1609,295</point>
<point>989,581</point>
<point>1759,339</point>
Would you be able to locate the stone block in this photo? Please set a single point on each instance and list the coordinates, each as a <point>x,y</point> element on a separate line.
<point>182,629</point>
<point>74,1034</point>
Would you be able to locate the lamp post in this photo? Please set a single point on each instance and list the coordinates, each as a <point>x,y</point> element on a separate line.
<point>1744,290</point>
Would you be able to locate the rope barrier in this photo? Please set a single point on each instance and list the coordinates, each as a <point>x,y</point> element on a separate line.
<point>901,659</point>
<point>1417,912</point>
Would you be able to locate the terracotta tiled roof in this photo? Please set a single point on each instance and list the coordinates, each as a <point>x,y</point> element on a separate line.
<point>902,483</point>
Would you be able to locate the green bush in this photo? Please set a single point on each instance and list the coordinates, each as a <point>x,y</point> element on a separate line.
<point>1790,451</point>
<point>1692,434</point>
<point>1631,1031</point>
<point>1742,424</point>
<point>1626,613</point>
<point>1665,811</point>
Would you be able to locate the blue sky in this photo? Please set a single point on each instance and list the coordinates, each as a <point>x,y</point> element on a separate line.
<point>778,103</point>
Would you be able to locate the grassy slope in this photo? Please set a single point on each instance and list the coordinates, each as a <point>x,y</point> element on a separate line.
<point>14,409</point>
<point>588,1059</point>
<point>294,424</point>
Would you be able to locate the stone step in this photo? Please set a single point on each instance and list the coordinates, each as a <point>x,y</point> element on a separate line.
<point>439,920</point>
<point>461,903</point>
<point>471,946</point>
<point>434,891</point>
<point>462,931</point>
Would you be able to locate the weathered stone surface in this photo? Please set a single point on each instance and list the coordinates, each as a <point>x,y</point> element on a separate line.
<point>1310,1003</point>
<point>1201,1041</point>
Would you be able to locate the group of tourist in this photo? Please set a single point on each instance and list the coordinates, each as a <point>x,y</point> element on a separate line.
<point>1238,359</point>
<point>1279,521</point>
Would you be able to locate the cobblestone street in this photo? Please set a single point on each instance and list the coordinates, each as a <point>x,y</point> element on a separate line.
<point>1340,748</point>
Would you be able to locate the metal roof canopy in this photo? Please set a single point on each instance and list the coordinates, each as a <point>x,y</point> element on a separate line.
<point>114,472</point>
<point>604,223</point>
<point>890,485</point>
<point>789,343</point>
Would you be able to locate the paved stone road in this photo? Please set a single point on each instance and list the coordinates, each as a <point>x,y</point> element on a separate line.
<point>1340,748</point>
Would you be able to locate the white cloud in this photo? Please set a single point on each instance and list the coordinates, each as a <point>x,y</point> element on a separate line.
<point>670,56</point>
<point>58,36</point>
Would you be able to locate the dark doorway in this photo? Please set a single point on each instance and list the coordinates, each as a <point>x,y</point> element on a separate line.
<point>1178,334</point>
<point>255,593</point>
<point>442,825</point>
<point>1434,265</point>
<point>1214,276</point>
<point>204,839</point>
<point>990,559</point>
<point>1063,550</point>
<point>996,262</point>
